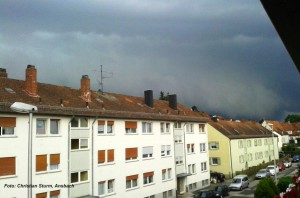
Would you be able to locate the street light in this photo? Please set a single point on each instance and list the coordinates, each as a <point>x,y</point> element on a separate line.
<point>274,156</point>
<point>27,108</point>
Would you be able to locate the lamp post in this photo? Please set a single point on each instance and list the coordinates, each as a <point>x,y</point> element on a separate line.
<point>27,108</point>
<point>274,156</point>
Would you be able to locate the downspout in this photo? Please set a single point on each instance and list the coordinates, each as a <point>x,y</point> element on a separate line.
<point>184,153</point>
<point>175,160</point>
<point>92,175</point>
<point>69,155</point>
<point>230,158</point>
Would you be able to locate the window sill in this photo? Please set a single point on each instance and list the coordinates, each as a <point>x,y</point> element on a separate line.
<point>179,164</point>
<point>165,133</point>
<point>190,132</point>
<point>191,153</point>
<point>133,160</point>
<point>106,164</point>
<point>41,136</point>
<point>178,142</point>
<point>8,136</point>
<point>131,133</point>
<point>48,171</point>
<point>150,184</point>
<point>106,134</point>
<point>145,133</point>
<point>77,150</point>
<point>8,176</point>
<point>148,158</point>
<point>166,180</point>
<point>134,188</point>
<point>215,164</point>
<point>107,195</point>
<point>82,182</point>
<point>167,156</point>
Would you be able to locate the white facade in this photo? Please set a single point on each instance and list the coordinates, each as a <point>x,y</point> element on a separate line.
<point>78,145</point>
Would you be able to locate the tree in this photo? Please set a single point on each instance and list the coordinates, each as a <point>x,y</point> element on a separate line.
<point>292,118</point>
<point>162,96</point>
<point>284,182</point>
<point>266,188</point>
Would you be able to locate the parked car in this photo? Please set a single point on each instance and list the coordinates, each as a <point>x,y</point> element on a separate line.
<point>281,167</point>
<point>239,182</point>
<point>207,194</point>
<point>296,158</point>
<point>272,169</point>
<point>222,191</point>
<point>218,177</point>
<point>262,173</point>
<point>287,163</point>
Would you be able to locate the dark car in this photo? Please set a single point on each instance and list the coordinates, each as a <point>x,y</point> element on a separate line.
<point>207,194</point>
<point>218,177</point>
<point>296,158</point>
<point>222,191</point>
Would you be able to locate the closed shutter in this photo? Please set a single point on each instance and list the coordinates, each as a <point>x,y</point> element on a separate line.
<point>132,177</point>
<point>41,195</point>
<point>7,166</point>
<point>131,153</point>
<point>110,155</point>
<point>148,174</point>
<point>54,159</point>
<point>130,125</point>
<point>100,122</point>
<point>7,122</point>
<point>55,193</point>
<point>41,163</point>
<point>164,170</point>
<point>101,156</point>
<point>111,123</point>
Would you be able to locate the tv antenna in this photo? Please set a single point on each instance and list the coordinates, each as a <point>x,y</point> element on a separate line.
<point>103,75</point>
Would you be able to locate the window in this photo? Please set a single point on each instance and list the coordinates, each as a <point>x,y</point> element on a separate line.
<point>190,148</point>
<point>189,128</point>
<point>248,143</point>
<point>205,182</point>
<point>178,138</point>
<point>255,142</point>
<point>79,122</point>
<point>148,152</point>
<point>165,150</point>
<point>110,125</point>
<point>266,154</point>
<point>130,127</point>
<point>152,196</point>
<point>177,125</point>
<point>41,163</point>
<point>40,127</point>
<point>79,144</point>
<point>201,128</point>
<point>147,127</point>
<point>192,168</point>
<point>7,125</point>
<point>148,178</point>
<point>131,181</point>
<point>215,161</point>
<point>192,186</point>
<point>259,142</point>
<point>106,187</point>
<point>241,144</point>
<point>203,166</point>
<point>168,127</point>
<point>55,194</point>
<point>54,126</point>
<point>54,161</point>
<point>103,155</point>
<point>179,160</point>
<point>213,145</point>
<point>202,147</point>
<point>166,174</point>
<point>77,177</point>
<point>41,195</point>
<point>241,158</point>
<point>131,153</point>
<point>250,156</point>
<point>167,194</point>
<point>101,125</point>
<point>7,166</point>
<point>164,127</point>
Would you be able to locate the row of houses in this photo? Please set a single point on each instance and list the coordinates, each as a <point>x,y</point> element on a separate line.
<point>84,143</point>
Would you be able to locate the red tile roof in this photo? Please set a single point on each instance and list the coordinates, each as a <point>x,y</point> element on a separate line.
<point>241,130</point>
<point>285,127</point>
<point>109,105</point>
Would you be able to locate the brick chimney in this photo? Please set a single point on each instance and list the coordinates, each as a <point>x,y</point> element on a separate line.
<point>86,88</point>
<point>31,81</point>
<point>3,73</point>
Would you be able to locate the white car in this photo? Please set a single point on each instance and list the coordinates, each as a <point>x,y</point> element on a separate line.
<point>272,169</point>
<point>287,164</point>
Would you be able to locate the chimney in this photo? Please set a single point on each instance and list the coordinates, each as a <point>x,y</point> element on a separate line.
<point>3,73</point>
<point>148,97</point>
<point>173,101</point>
<point>30,81</point>
<point>85,88</point>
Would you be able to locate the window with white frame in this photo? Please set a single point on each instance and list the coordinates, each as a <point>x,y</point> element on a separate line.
<point>190,148</point>
<point>202,128</point>
<point>241,158</point>
<point>177,125</point>
<point>147,152</point>
<point>7,166</point>
<point>259,142</point>
<point>179,160</point>
<point>165,150</point>
<point>106,156</point>
<point>146,127</point>
<point>166,174</point>
<point>192,168</point>
<point>189,128</point>
<point>7,125</point>
<point>260,155</point>
<point>47,126</point>
<point>130,127</point>
<point>203,166</point>
<point>255,142</point>
<point>105,127</point>
<point>178,138</point>
<point>40,126</point>
<point>79,123</point>
<point>81,176</point>
<point>265,141</point>
<point>148,178</point>
<point>256,155</point>
<point>132,181</point>
<point>54,126</point>
<point>162,127</point>
<point>168,126</point>
<point>202,147</point>
<point>167,194</point>
<point>46,162</point>
<point>213,145</point>
<point>79,144</point>
<point>205,182</point>
<point>101,126</point>
<point>250,157</point>
<point>248,143</point>
<point>241,145</point>
<point>165,127</point>
<point>131,154</point>
<point>215,161</point>
<point>106,187</point>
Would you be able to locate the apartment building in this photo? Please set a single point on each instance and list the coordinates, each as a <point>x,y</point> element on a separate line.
<point>85,143</point>
<point>236,146</point>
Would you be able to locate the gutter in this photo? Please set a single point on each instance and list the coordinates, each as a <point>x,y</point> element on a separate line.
<point>69,155</point>
<point>92,175</point>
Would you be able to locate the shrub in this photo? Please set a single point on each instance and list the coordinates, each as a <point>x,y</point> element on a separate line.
<point>284,182</point>
<point>266,188</point>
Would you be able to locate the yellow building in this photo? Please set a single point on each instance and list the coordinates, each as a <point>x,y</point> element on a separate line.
<point>236,146</point>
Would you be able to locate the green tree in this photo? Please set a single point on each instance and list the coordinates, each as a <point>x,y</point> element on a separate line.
<point>292,118</point>
<point>266,188</point>
<point>284,182</point>
<point>162,96</point>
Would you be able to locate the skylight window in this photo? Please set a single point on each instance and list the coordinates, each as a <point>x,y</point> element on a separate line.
<point>9,90</point>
